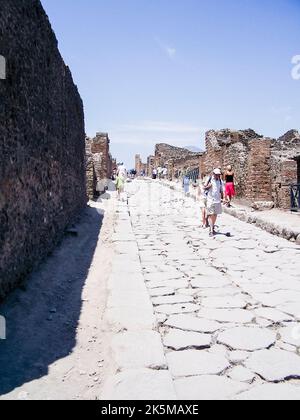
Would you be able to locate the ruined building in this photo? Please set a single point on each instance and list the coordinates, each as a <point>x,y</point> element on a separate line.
<point>140,167</point>
<point>42,149</point>
<point>99,164</point>
<point>177,160</point>
<point>264,168</point>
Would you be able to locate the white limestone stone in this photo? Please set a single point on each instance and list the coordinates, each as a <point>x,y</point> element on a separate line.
<point>192,323</point>
<point>163,276</point>
<point>142,349</point>
<point>238,356</point>
<point>174,284</point>
<point>177,309</point>
<point>162,291</point>
<point>291,335</point>
<point>241,374</point>
<point>271,392</point>
<point>248,339</point>
<point>272,315</point>
<point>274,365</point>
<point>209,282</point>
<point>142,384</point>
<point>227,315</point>
<point>224,302</point>
<point>182,340</point>
<point>207,388</point>
<point>169,300</point>
<point>196,362</point>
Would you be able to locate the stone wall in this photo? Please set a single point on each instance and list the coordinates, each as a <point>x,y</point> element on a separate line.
<point>176,159</point>
<point>285,153</point>
<point>264,168</point>
<point>99,164</point>
<point>42,170</point>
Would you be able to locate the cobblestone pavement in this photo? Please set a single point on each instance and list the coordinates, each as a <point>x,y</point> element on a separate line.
<point>226,308</point>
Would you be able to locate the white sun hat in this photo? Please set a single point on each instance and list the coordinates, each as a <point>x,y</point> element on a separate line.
<point>217,171</point>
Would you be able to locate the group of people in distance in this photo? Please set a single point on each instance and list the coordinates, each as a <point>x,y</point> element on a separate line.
<point>160,173</point>
<point>212,192</point>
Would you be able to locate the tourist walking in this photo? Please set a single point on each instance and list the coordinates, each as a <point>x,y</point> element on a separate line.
<point>186,184</point>
<point>215,196</point>
<point>120,184</point>
<point>202,197</point>
<point>229,185</point>
<point>154,174</point>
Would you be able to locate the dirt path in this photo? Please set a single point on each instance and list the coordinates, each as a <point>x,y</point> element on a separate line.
<point>56,346</point>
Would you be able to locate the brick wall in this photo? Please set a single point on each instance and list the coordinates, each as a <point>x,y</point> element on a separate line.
<point>42,148</point>
<point>258,181</point>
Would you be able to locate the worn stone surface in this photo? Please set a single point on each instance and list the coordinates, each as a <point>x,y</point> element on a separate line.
<point>142,384</point>
<point>238,316</point>
<point>291,334</point>
<point>42,167</point>
<point>182,340</point>
<point>229,279</point>
<point>241,374</point>
<point>275,365</point>
<point>205,388</point>
<point>192,323</point>
<point>250,339</point>
<point>143,349</point>
<point>195,362</point>
<point>271,392</point>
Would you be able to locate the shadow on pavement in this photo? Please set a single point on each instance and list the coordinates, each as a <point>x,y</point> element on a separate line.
<point>42,318</point>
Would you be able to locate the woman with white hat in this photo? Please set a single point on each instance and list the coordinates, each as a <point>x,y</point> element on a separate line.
<point>215,196</point>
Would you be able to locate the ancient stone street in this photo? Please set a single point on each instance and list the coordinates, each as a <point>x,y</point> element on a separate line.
<point>223,324</point>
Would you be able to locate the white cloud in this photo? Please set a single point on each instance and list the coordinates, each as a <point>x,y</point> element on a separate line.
<point>167,49</point>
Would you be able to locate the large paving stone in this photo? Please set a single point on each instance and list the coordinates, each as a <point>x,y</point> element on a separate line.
<point>207,388</point>
<point>142,349</point>
<point>238,316</point>
<point>209,282</point>
<point>280,297</point>
<point>224,302</point>
<point>275,365</point>
<point>169,300</point>
<point>142,384</point>
<point>192,323</point>
<point>175,284</point>
<point>248,339</point>
<point>162,291</point>
<point>292,309</point>
<point>241,374</point>
<point>291,334</point>
<point>271,392</point>
<point>182,340</point>
<point>177,309</point>
<point>196,362</point>
<point>163,276</point>
<point>272,315</point>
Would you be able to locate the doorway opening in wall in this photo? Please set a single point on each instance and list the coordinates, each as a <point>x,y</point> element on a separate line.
<point>295,190</point>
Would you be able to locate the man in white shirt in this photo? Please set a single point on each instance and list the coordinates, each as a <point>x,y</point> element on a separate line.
<point>215,195</point>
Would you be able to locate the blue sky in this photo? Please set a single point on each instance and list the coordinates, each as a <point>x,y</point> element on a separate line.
<point>168,70</point>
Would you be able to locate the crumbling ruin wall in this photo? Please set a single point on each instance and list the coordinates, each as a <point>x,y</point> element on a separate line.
<point>176,159</point>
<point>42,166</point>
<point>284,168</point>
<point>99,164</point>
<point>228,147</point>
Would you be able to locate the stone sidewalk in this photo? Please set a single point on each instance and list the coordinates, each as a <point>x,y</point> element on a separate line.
<point>200,318</point>
<point>284,224</point>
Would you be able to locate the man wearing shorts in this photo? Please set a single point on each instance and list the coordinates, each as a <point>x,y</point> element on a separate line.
<point>215,196</point>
